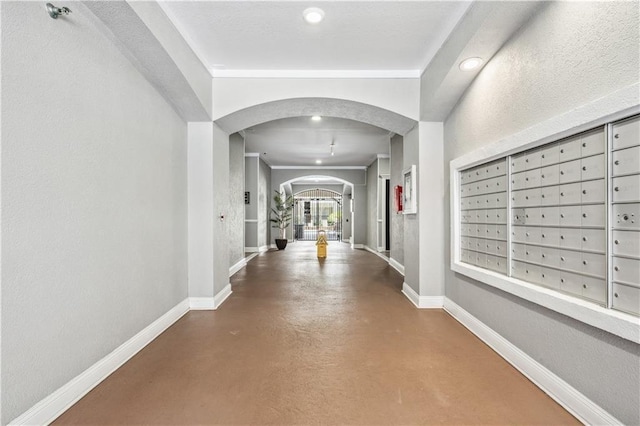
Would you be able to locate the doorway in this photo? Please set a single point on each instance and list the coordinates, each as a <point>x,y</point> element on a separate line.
<point>317,210</point>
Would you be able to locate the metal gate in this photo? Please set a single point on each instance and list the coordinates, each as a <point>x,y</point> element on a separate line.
<point>317,210</point>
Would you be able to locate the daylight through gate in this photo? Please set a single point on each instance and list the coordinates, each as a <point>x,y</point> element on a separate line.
<point>317,210</point>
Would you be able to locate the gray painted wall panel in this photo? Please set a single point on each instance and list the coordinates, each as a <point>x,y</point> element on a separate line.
<point>526,82</point>
<point>411,228</point>
<point>94,202</point>
<point>372,205</point>
<point>264,204</point>
<point>235,215</point>
<point>397,220</point>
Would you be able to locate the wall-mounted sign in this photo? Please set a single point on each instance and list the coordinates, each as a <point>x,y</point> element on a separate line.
<point>247,197</point>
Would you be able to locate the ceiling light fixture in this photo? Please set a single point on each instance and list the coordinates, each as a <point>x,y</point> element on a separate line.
<point>470,64</point>
<point>316,118</point>
<point>313,15</point>
<point>318,161</point>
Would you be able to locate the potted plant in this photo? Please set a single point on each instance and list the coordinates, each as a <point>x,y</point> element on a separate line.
<point>281,217</point>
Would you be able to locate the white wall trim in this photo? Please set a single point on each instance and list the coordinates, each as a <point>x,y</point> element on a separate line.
<point>239,265</point>
<point>266,247</point>
<point>395,74</point>
<point>377,253</point>
<point>357,246</point>
<point>222,295</point>
<point>422,302</point>
<point>252,154</point>
<point>396,265</point>
<point>201,303</point>
<point>251,220</point>
<point>319,168</point>
<point>48,409</point>
<point>571,399</point>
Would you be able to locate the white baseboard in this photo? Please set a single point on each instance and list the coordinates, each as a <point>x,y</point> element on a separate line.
<point>396,265</point>
<point>357,246</point>
<point>239,265</point>
<point>422,302</point>
<point>222,295</point>
<point>202,303</point>
<point>251,256</point>
<point>377,253</point>
<point>48,409</point>
<point>265,248</point>
<point>251,250</point>
<point>566,395</point>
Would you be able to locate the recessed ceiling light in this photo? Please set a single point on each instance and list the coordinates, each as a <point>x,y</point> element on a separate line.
<point>470,64</point>
<point>318,161</point>
<point>313,15</point>
<point>316,118</point>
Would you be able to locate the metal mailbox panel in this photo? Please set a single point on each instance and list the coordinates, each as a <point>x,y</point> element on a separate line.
<point>501,248</point>
<point>550,216</point>
<point>532,197</point>
<point>549,154</point>
<point>501,265</point>
<point>532,178</point>
<point>501,200</point>
<point>593,215</point>
<point>571,260</point>
<point>550,236</point>
<point>518,163</point>
<point>517,269</point>
<point>550,256</point>
<point>626,298</point>
<point>490,247</point>
<point>550,195</point>
<point>518,181</point>
<point>479,216</point>
<point>626,270</point>
<point>570,193</point>
<point>550,278</point>
<point>594,240</point>
<point>532,273</point>
<point>570,171</point>
<point>592,143</point>
<point>626,161</point>
<point>569,149</point>
<point>626,133</point>
<point>532,235</point>
<point>550,175</point>
<point>626,188</point>
<point>571,238</point>
<point>592,167</point>
<point>518,234</point>
<point>593,191</point>
<point>481,260</point>
<point>518,216</point>
<point>570,216</point>
<point>518,198</point>
<point>532,159</point>
<point>518,251</point>
<point>594,289</point>
<point>594,264</point>
<point>500,215</point>
<point>571,283</point>
<point>532,216</point>
<point>626,243</point>
<point>501,232</point>
<point>626,216</point>
<point>532,254</point>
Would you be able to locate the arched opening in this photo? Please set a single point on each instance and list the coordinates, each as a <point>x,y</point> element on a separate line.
<point>317,210</point>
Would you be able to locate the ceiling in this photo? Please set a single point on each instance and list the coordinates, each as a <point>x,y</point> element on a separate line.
<point>300,141</point>
<point>235,36</point>
<point>240,38</point>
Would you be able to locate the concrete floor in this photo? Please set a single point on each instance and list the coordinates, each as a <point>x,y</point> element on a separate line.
<point>303,341</point>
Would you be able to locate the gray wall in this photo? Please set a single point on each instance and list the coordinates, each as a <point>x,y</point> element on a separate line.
<point>235,215</point>
<point>264,204</point>
<point>397,220</point>
<point>251,209</point>
<point>372,205</point>
<point>567,55</point>
<point>411,228</point>
<point>94,216</point>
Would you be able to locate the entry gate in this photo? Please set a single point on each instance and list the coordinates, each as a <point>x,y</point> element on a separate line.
<point>317,210</point>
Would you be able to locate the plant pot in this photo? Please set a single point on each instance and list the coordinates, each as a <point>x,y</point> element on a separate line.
<point>281,243</point>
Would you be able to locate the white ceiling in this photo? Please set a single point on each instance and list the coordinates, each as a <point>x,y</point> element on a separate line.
<point>395,39</point>
<point>301,141</point>
<point>236,36</point>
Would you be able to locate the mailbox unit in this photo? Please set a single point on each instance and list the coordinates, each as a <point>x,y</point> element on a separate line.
<point>564,215</point>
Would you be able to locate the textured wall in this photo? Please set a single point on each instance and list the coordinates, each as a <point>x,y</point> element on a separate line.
<point>235,215</point>
<point>265,195</point>
<point>251,209</point>
<point>397,220</point>
<point>569,54</point>
<point>411,229</point>
<point>221,208</point>
<point>372,205</point>
<point>94,208</point>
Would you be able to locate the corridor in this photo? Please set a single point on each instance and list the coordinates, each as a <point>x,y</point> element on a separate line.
<point>303,341</point>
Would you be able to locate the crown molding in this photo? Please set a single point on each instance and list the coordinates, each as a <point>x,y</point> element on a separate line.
<point>320,167</point>
<point>373,74</point>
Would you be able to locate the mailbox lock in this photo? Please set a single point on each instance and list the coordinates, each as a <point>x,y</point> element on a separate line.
<point>584,168</point>
<point>617,136</point>
<point>584,262</point>
<point>617,162</point>
<point>616,189</point>
<point>584,286</point>
<point>616,242</point>
<point>615,268</point>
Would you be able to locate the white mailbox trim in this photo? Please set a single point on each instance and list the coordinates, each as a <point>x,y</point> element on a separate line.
<point>617,105</point>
